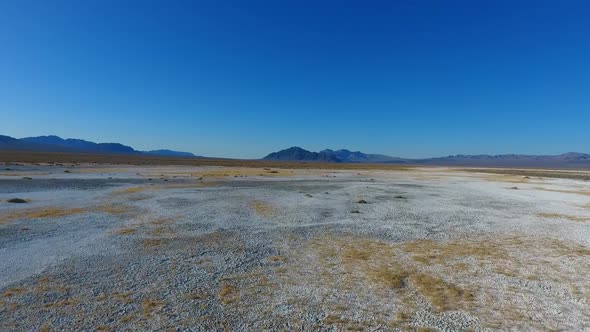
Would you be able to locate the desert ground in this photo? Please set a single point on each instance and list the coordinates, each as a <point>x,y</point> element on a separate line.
<point>263,247</point>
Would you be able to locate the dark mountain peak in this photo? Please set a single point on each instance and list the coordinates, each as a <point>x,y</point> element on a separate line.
<point>7,139</point>
<point>296,153</point>
<point>329,155</point>
<point>80,144</point>
<point>295,148</point>
<point>114,148</point>
<point>46,139</point>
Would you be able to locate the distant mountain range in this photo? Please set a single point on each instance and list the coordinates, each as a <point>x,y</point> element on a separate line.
<point>566,160</point>
<point>57,144</point>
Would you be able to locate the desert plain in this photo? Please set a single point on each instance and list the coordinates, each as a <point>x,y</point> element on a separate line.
<point>267,248</point>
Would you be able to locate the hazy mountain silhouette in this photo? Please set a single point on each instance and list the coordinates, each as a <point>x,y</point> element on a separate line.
<point>348,156</point>
<point>169,153</point>
<point>566,160</point>
<point>54,143</point>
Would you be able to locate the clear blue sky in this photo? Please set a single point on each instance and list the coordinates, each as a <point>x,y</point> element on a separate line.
<point>244,78</point>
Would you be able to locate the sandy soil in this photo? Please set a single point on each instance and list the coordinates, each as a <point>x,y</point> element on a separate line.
<point>260,248</point>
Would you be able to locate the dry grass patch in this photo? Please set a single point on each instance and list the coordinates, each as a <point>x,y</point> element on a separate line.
<point>124,231</point>
<point>254,287</point>
<point>161,221</point>
<point>37,213</point>
<point>127,318</point>
<point>161,232</point>
<point>429,251</point>
<point>131,190</point>
<point>135,190</point>
<point>449,275</point>
<point>228,294</point>
<point>562,216</point>
<point>197,295</point>
<point>23,173</point>
<point>382,264</point>
<point>123,297</point>
<point>242,172</point>
<point>275,259</point>
<point>62,303</point>
<point>389,276</point>
<point>263,209</point>
<point>113,209</point>
<point>576,192</point>
<point>503,178</point>
<point>13,291</point>
<point>441,294</point>
<point>150,307</point>
<point>45,328</point>
<point>151,243</point>
<point>425,329</point>
<point>59,212</point>
<point>333,319</point>
<point>565,174</point>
